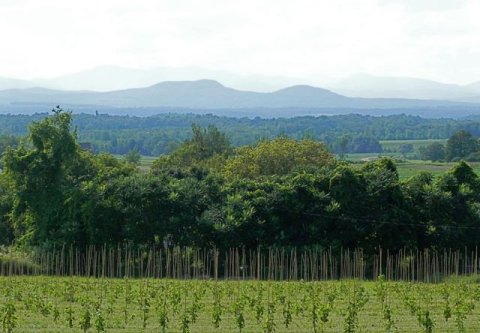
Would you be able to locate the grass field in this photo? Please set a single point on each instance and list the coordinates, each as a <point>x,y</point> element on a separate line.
<point>55,304</point>
<point>414,167</point>
<point>365,157</point>
<point>394,145</point>
<point>146,163</point>
<point>409,168</point>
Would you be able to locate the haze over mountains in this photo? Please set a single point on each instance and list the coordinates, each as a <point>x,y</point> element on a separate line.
<point>109,78</point>
<point>210,94</point>
<point>370,86</point>
<point>372,95</point>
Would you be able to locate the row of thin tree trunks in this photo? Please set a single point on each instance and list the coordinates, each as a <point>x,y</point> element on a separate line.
<point>243,264</point>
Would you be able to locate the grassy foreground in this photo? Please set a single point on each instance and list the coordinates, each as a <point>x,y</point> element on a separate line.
<point>53,304</point>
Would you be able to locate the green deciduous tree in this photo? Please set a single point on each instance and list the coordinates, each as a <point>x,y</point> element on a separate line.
<point>278,157</point>
<point>133,157</point>
<point>6,203</point>
<point>433,152</point>
<point>460,145</point>
<point>404,149</point>
<point>40,176</point>
<point>54,183</point>
<point>207,149</point>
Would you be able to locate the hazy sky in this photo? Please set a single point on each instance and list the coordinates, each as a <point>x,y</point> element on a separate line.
<point>322,39</point>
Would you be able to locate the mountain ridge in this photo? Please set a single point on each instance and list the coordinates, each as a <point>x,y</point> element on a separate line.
<point>210,94</point>
<point>361,85</point>
<point>372,86</point>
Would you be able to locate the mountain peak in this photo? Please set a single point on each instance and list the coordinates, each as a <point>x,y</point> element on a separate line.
<point>197,84</point>
<point>209,94</point>
<point>306,91</point>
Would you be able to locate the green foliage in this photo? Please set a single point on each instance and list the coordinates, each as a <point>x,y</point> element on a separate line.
<point>238,313</point>
<point>163,133</point>
<point>54,184</point>
<point>207,147</point>
<point>311,306</point>
<point>280,156</point>
<point>460,145</point>
<point>433,152</point>
<point>364,144</point>
<point>281,192</point>
<point>382,293</point>
<point>464,174</point>
<point>8,316</point>
<point>86,319</point>
<point>133,157</point>
<point>217,307</point>
<point>355,304</point>
<point>6,204</point>
<point>99,321</point>
<point>12,256</point>
<point>7,141</point>
<point>405,148</point>
<point>40,175</point>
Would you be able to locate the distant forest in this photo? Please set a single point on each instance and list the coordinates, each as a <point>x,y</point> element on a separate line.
<point>162,134</point>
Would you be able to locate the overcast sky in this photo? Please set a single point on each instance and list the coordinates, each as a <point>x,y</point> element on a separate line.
<point>323,39</point>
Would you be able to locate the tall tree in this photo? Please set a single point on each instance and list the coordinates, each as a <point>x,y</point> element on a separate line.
<point>460,145</point>
<point>42,175</point>
<point>207,148</point>
<point>433,152</point>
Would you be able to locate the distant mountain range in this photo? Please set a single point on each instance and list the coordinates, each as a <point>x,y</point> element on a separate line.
<point>209,96</point>
<point>112,78</point>
<point>109,78</point>
<point>369,86</point>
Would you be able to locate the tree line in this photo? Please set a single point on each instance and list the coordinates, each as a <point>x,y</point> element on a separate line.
<point>281,192</point>
<point>461,145</point>
<point>162,134</point>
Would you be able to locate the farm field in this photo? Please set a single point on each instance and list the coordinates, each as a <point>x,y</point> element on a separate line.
<point>71,304</point>
<point>394,145</point>
<point>409,168</point>
<point>413,167</point>
<point>146,163</point>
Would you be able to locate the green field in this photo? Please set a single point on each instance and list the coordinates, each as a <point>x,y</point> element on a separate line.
<point>409,168</point>
<point>394,145</point>
<point>55,304</point>
<point>365,157</point>
<point>146,163</point>
<point>412,168</point>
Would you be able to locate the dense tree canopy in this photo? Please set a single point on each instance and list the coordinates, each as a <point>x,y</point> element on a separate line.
<point>280,192</point>
<point>280,156</point>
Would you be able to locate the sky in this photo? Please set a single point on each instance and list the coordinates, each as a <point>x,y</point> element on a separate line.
<point>309,39</point>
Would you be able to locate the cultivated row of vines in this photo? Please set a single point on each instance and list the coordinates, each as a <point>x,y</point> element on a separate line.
<point>74,304</point>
